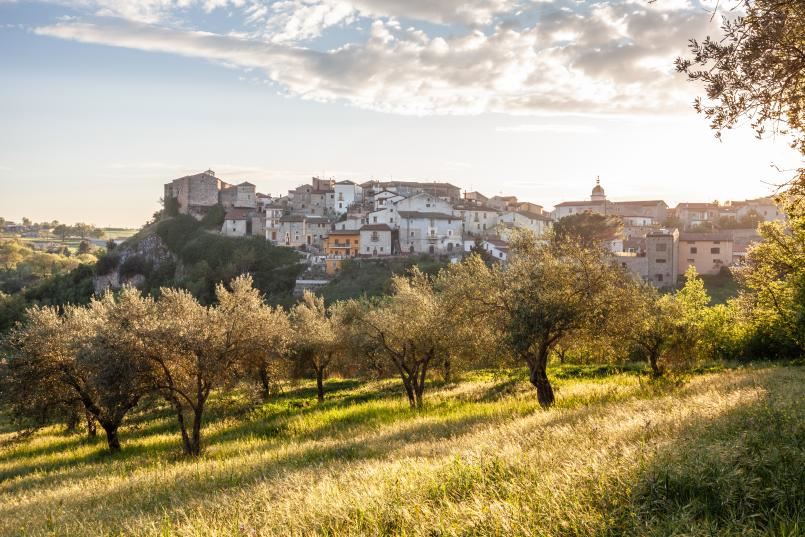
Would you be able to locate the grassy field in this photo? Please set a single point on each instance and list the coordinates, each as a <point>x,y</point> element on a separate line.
<point>719,453</point>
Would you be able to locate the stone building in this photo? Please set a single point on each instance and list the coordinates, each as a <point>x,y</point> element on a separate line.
<point>661,258</point>
<point>242,196</point>
<point>196,194</point>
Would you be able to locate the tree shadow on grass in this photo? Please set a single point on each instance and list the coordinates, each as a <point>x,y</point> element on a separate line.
<point>739,472</point>
<point>168,491</point>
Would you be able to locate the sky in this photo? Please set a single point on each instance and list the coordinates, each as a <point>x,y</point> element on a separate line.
<point>104,101</point>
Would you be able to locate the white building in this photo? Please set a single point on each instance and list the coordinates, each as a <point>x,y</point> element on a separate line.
<point>345,194</point>
<point>538,224</point>
<point>424,203</point>
<point>273,215</point>
<point>496,248</point>
<point>477,220</point>
<point>429,232</point>
<point>237,223</point>
<point>376,240</point>
<point>386,198</point>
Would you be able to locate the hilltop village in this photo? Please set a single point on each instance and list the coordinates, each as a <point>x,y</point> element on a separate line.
<point>330,221</point>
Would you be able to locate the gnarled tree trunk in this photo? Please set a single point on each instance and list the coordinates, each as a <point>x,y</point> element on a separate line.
<point>537,364</point>
<point>265,382</point>
<point>92,429</point>
<point>320,384</point>
<point>111,436</point>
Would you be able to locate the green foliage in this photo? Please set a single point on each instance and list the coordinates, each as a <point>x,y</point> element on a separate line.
<point>75,287</point>
<point>107,263</point>
<point>588,229</point>
<point>171,207</point>
<point>174,232</point>
<point>359,278</point>
<point>135,265</point>
<point>214,218</point>
<point>754,70</point>
<point>212,258</point>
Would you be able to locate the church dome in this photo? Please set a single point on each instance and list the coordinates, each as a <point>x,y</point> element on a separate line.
<point>598,192</point>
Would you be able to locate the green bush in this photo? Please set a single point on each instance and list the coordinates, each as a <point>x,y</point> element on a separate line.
<point>107,263</point>
<point>174,232</point>
<point>214,218</point>
<point>135,265</point>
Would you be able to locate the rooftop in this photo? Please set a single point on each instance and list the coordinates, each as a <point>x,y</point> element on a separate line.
<point>713,236</point>
<point>432,216</point>
<point>238,214</point>
<point>376,227</point>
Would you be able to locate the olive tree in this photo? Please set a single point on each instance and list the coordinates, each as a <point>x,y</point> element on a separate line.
<point>80,357</point>
<point>411,329</point>
<point>318,337</point>
<point>195,349</point>
<point>547,292</point>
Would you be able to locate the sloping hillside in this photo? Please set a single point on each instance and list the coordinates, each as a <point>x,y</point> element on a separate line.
<point>183,252</point>
<point>719,454</point>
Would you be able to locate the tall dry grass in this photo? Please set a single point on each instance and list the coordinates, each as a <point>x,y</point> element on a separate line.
<point>719,454</point>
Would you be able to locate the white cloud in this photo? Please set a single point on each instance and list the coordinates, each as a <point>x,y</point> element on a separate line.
<point>614,58</point>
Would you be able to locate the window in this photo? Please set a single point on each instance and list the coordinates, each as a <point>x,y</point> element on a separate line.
<point>662,247</point>
<point>659,277</point>
<point>716,242</point>
<point>660,260</point>
<point>381,248</point>
<point>374,219</point>
<point>691,261</point>
<point>694,250</point>
<point>367,248</point>
<point>375,236</point>
<point>715,250</point>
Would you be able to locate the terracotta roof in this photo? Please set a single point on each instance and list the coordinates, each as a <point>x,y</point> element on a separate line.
<point>238,214</point>
<point>717,236</point>
<point>641,202</point>
<point>245,183</point>
<point>344,232</point>
<point>580,203</point>
<point>473,207</point>
<point>499,244</point>
<point>533,216</point>
<point>696,206</point>
<point>433,216</point>
<point>345,182</point>
<point>292,218</point>
<point>376,227</point>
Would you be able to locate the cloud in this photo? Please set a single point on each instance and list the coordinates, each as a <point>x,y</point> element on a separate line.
<point>608,58</point>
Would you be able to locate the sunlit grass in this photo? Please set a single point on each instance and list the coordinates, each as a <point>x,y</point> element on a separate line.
<point>720,453</point>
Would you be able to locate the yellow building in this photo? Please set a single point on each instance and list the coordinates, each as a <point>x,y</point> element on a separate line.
<point>708,252</point>
<point>340,244</point>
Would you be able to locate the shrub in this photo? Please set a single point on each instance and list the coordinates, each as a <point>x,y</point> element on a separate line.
<point>107,263</point>
<point>175,232</point>
<point>135,265</point>
<point>214,218</point>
